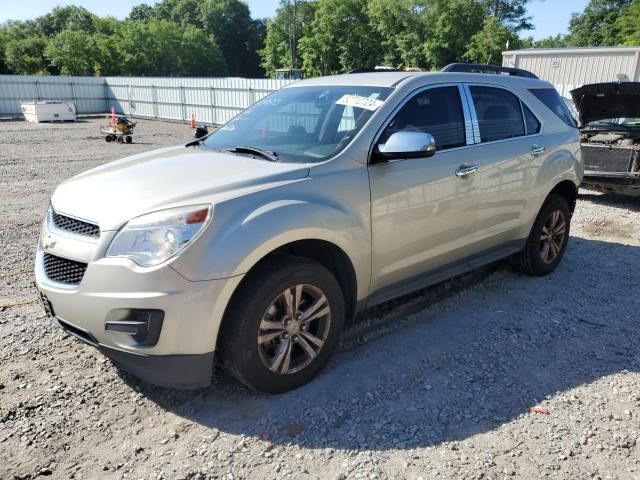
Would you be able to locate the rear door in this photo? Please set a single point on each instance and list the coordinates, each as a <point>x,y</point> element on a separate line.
<point>509,140</point>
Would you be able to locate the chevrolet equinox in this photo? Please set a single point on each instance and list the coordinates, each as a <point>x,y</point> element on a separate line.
<point>261,240</point>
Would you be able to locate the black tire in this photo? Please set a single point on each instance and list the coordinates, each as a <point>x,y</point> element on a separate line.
<point>129,139</point>
<point>532,260</point>
<point>238,344</point>
<point>107,139</point>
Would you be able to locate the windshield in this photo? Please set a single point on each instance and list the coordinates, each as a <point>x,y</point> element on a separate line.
<point>302,124</point>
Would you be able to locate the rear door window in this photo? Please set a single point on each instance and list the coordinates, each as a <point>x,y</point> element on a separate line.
<point>499,113</point>
<point>436,111</point>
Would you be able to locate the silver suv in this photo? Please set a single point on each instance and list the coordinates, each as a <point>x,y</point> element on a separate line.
<point>260,241</point>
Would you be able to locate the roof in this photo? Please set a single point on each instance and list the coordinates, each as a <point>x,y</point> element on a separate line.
<point>571,50</point>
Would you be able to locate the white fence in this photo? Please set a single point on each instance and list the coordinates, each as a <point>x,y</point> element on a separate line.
<point>210,100</point>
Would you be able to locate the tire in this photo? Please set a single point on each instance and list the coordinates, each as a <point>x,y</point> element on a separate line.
<point>120,139</point>
<point>107,139</point>
<point>128,139</point>
<point>261,297</point>
<point>541,257</point>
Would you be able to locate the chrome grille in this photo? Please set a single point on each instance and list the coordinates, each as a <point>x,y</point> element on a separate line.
<point>75,226</point>
<point>63,270</point>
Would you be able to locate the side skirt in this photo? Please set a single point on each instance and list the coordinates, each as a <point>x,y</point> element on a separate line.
<point>442,273</point>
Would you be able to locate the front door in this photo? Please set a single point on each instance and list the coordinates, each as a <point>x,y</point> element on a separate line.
<point>422,212</point>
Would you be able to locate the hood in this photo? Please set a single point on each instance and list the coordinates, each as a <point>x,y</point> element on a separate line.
<point>601,101</point>
<point>116,192</point>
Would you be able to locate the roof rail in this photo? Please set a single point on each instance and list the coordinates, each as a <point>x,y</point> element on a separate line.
<point>376,69</point>
<point>491,69</point>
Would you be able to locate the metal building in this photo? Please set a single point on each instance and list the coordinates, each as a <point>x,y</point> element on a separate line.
<point>569,68</point>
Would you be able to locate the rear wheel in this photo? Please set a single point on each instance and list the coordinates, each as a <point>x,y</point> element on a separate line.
<point>129,139</point>
<point>548,239</point>
<point>282,325</point>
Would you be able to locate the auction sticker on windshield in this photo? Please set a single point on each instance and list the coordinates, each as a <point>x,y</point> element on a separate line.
<point>360,102</point>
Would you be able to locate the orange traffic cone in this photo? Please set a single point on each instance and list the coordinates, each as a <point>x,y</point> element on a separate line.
<point>193,120</point>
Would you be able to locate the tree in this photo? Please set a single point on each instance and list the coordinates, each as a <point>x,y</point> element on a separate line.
<point>401,26</point>
<point>283,34</point>
<point>141,13</point>
<point>73,52</point>
<point>450,24</point>
<point>559,41</point>
<point>230,23</point>
<point>628,25</point>
<point>25,56</point>
<point>339,39</point>
<point>510,13</point>
<point>598,24</point>
<point>487,45</point>
<point>162,47</point>
<point>66,18</point>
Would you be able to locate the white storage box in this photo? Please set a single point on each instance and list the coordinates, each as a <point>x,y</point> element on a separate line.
<point>49,111</point>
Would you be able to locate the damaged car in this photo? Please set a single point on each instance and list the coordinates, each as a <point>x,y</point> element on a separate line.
<point>609,116</point>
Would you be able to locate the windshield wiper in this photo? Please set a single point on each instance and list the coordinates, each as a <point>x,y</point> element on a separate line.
<point>271,156</point>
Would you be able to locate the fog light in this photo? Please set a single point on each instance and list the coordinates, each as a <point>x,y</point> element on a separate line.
<point>144,325</point>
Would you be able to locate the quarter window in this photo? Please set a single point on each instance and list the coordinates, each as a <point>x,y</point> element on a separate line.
<point>530,120</point>
<point>437,111</point>
<point>499,113</point>
<point>551,98</point>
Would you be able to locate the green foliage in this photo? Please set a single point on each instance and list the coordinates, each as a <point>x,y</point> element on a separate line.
<point>162,47</point>
<point>487,45</point>
<point>450,25</point>
<point>339,38</point>
<point>598,24</point>
<point>219,37</point>
<point>73,52</point>
<point>510,13</point>
<point>283,33</point>
<point>25,56</point>
<point>628,25</point>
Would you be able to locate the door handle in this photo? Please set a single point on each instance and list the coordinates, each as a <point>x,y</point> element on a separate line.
<point>536,150</point>
<point>464,170</point>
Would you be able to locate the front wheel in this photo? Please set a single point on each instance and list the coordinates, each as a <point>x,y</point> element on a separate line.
<point>548,239</point>
<point>282,325</point>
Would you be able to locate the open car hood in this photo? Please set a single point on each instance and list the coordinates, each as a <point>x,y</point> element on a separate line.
<point>601,101</point>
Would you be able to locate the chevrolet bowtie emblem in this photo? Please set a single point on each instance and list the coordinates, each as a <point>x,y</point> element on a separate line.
<point>49,242</point>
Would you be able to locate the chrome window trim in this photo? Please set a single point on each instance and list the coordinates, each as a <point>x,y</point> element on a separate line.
<point>466,114</point>
<point>522,102</point>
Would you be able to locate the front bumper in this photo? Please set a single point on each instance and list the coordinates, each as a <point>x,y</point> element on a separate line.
<point>182,357</point>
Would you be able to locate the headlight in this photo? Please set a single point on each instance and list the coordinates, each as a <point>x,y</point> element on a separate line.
<point>154,238</point>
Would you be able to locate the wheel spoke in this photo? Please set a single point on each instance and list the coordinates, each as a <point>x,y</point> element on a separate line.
<point>271,325</point>
<point>288,302</point>
<point>267,337</point>
<point>308,349</point>
<point>283,358</point>
<point>319,309</point>
<point>545,251</point>
<point>297,298</point>
<point>313,339</point>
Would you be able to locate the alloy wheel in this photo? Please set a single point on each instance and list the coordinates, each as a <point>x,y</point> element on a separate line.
<point>553,236</point>
<point>294,328</point>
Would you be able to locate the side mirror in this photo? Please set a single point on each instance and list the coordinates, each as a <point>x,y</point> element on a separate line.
<point>406,145</point>
<point>201,131</point>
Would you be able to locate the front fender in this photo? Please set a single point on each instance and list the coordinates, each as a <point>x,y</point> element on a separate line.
<point>240,237</point>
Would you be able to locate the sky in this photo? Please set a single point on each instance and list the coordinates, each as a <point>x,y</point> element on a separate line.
<point>550,17</point>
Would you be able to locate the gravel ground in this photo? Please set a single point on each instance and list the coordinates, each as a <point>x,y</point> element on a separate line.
<point>438,384</point>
